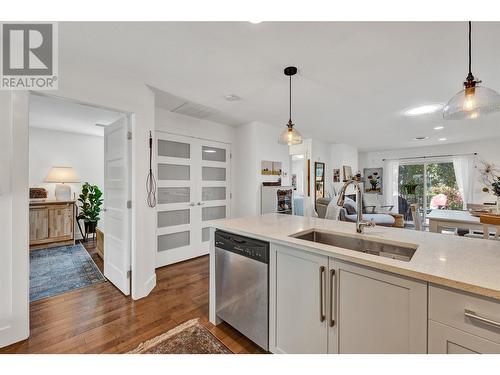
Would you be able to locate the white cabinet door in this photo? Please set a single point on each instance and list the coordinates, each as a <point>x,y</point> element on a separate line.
<point>444,339</point>
<point>377,312</point>
<point>192,189</point>
<point>298,290</point>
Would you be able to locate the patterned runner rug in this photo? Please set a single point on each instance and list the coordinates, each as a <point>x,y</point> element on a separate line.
<point>60,269</point>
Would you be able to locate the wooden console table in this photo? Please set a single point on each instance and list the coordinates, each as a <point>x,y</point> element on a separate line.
<point>52,223</point>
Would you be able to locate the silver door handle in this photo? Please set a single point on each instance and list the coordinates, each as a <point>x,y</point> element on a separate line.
<point>322,316</point>
<point>192,204</point>
<point>200,203</point>
<point>333,295</point>
<point>471,314</point>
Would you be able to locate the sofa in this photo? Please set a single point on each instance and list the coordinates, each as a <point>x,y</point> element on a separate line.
<point>348,213</point>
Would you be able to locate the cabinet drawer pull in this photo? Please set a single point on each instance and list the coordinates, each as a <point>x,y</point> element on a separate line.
<point>333,295</point>
<point>472,315</point>
<point>322,280</point>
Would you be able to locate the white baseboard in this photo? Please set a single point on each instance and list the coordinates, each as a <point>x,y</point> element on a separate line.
<point>148,287</point>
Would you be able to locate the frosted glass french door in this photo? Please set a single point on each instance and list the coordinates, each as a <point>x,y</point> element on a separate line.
<point>192,189</point>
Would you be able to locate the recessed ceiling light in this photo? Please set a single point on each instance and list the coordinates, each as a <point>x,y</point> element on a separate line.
<point>209,151</point>
<point>442,139</point>
<point>438,127</point>
<point>255,22</point>
<point>231,97</point>
<point>420,138</point>
<point>423,109</point>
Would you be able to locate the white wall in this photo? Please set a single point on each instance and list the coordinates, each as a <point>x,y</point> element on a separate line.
<point>335,156</point>
<point>343,154</point>
<point>254,142</point>
<point>192,127</point>
<point>84,153</point>
<point>487,150</point>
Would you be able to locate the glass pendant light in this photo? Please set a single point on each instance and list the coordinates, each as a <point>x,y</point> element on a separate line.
<point>290,136</point>
<point>474,100</point>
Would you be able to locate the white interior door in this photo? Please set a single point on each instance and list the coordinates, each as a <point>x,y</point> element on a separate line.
<point>117,194</point>
<point>193,188</point>
<point>215,192</point>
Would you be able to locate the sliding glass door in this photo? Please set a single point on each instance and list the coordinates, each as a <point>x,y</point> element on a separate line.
<point>430,185</point>
<point>411,189</point>
<point>442,189</point>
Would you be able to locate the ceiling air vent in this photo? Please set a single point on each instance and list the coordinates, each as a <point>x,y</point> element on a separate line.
<point>195,110</point>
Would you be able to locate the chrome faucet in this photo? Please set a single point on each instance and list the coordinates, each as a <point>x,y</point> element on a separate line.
<point>360,223</point>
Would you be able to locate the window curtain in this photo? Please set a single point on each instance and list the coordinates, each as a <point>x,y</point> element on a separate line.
<point>391,188</point>
<point>464,174</point>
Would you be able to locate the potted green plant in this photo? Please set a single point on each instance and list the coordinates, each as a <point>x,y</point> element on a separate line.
<point>410,187</point>
<point>91,201</point>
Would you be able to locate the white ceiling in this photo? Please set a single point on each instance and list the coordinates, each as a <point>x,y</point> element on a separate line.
<point>57,114</point>
<point>354,81</point>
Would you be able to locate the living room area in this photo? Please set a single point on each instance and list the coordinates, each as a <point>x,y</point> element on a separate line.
<point>443,187</point>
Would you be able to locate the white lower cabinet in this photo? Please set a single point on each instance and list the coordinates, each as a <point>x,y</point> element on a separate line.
<point>322,305</point>
<point>378,312</point>
<point>297,301</point>
<point>444,339</point>
<point>461,322</point>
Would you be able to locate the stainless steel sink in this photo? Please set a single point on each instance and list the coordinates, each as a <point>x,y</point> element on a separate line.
<point>399,252</point>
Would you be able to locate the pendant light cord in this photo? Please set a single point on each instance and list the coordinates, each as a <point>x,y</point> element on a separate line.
<point>470,48</point>
<point>290,102</point>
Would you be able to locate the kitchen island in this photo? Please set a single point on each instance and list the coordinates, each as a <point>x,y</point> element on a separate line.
<point>329,299</point>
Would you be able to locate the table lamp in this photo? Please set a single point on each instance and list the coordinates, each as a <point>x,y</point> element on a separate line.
<point>62,175</point>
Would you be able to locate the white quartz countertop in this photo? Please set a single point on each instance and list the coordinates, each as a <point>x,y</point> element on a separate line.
<point>467,264</point>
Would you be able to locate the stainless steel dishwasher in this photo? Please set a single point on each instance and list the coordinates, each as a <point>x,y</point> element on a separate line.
<point>242,285</point>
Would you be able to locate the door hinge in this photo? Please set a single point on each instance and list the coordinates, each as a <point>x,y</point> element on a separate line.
<point>230,195</point>
<point>129,274</point>
<point>129,204</point>
<point>129,136</point>
<point>230,155</point>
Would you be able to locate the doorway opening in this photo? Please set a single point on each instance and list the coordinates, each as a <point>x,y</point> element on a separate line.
<point>79,177</point>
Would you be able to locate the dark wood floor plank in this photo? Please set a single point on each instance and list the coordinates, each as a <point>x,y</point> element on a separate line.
<point>100,319</point>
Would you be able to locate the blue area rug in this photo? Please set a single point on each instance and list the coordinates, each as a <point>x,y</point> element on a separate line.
<point>60,269</point>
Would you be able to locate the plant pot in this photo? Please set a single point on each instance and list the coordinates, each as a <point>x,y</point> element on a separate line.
<point>498,204</point>
<point>90,226</point>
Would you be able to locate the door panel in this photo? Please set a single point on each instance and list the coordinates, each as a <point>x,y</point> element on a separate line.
<point>214,193</point>
<point>378,312</point>
<point>117,192</point>
<point>39,223</point>
<point>61,221</point>
<point>298,293</point>
<point>193,188</point>
<point>444,339</point>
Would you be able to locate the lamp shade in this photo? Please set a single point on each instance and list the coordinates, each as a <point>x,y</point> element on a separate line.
<point>472,103</point>
<point>290,136</point>
<point>61,175</point>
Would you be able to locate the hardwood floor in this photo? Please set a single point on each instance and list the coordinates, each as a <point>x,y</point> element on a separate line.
<point>90,246</point>
<point>100,319</point>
